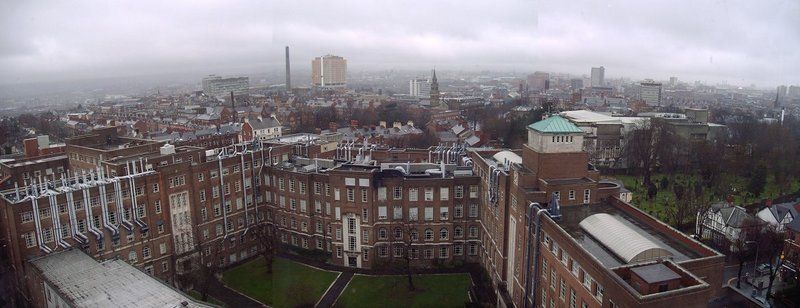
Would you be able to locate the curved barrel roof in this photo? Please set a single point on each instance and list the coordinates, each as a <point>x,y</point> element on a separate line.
<point>623,240</point>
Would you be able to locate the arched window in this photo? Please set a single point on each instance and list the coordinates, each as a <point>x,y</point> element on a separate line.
<point>414,235</point>
<point>443,234</point>
<point>428,234</point>
<point>458,232</point>
<point>398,233</point>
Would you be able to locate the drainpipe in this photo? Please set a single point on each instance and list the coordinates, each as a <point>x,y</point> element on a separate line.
<point>35,205</point>
<point>57,222</point>
<point>222,194</point>
<point>244,190</point>
<point>73,217</point>
<point>531,283</point>
<point>87,206</point>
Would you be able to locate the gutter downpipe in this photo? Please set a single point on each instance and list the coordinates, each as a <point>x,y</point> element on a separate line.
<point>532,282</point>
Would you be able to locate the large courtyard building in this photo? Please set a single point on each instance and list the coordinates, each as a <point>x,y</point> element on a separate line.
<point>530,217</point>
<point>329,71</point>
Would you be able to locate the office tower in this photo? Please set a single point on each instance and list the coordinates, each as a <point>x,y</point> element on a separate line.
<point>288,72</point>
<point>215,85</point>
<point>793,92</point>
<point>598,76</point>
<point>329,71</point>
<point>673,81</point>
<point>539,81</point>
<point>650,92</point>
<point>576,84</point>
<point>419,87</point>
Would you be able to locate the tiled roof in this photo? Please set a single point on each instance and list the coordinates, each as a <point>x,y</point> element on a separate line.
<point>555,125</point>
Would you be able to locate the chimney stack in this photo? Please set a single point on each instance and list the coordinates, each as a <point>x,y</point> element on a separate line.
<point>288,72</point>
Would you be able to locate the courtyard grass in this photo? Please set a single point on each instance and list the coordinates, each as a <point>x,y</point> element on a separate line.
<point>392,291</point>
<point>198,297</point>
<point>290,284</point>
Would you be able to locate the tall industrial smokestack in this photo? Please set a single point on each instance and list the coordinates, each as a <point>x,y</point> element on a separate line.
<point>288,72</point>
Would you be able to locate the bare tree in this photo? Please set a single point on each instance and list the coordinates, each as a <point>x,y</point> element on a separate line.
<point>743,247</point>
<point>771,243</point>
<point>269,245</point>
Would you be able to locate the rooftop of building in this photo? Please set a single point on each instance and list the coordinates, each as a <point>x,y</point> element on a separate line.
<point>84,282</point>
<point>632,239</point>
<point>555,124</point>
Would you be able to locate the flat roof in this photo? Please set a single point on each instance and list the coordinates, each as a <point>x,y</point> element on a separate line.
<point>655,273</point>
<point>85,282</point>
<point>573,215</point>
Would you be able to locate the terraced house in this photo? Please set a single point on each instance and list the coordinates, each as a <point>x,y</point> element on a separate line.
<point>530,217</point>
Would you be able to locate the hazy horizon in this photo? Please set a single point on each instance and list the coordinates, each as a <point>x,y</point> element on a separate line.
<point>736,42</point>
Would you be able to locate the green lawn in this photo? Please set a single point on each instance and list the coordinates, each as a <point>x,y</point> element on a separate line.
<point>290,284</point>
<point>196,295</point>
<point>392,291</point>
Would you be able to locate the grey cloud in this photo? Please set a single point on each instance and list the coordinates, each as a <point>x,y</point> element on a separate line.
<point>737,41</point>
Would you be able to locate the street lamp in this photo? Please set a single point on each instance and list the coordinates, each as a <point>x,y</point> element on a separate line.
<point>752,282</point>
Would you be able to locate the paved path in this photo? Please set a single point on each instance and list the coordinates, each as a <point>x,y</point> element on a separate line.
<point>335,290</point>
<point>230,297</point>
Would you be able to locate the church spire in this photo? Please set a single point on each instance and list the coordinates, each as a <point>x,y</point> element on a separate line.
<point>434,91</point>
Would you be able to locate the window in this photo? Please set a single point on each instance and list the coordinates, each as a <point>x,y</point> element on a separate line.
<point>363,195</point>
<point>146,252</point>
<point>428,234</point>
<point>598,292</point>
<point>444,213</point>
<point>473,231</point>
<point>383,251</point>
<point>30,239</point>
<point>458,192</point>
<point>381,193</point>
<point>458,232</point>
<point>413,194</point>
<point>443,252</point>
<point>398,212</point>
<point>562,290</point>
<point>351,195</point>
<point>443,234</point>
<point>473,191</point>
<point>26,216</point>
<point>398,251</point>
<point>398,233</point>
<point>553,278</point>
<point>429,213</point>
<point>473,249</point>
<point>365,215</point>
<point>382,212</point>
<point>155,187</point>
<point>586,196</point>
<point>572,298</point>
<point>413,235</point>
<point>382,233</point>
<point>473,210</point>
<point>428,193</point>
<point>412,213</point>
<point>398,193</point>
<point>458,250</point>
<point>444,193</point>
<point>459,211</point>
<point>572,194</point>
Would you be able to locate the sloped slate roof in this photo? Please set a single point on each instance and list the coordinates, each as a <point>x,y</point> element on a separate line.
<point>555,125</point>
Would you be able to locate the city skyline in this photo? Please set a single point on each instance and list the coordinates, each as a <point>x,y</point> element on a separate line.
<point>54,42</point>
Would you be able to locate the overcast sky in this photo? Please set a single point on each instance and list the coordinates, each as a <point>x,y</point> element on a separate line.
<point>740,42</point>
